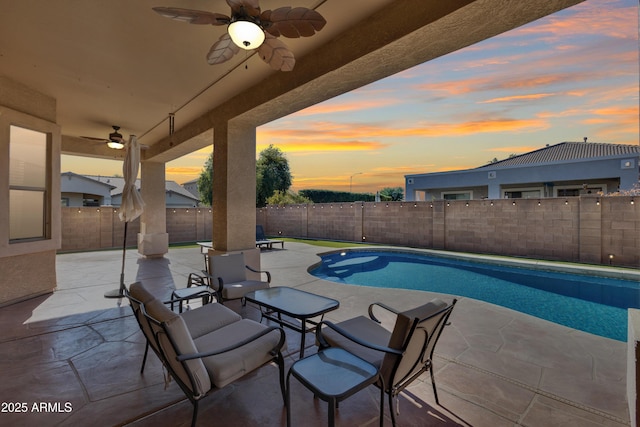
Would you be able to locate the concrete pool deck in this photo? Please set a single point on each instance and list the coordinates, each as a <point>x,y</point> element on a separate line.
<point>493,366</point>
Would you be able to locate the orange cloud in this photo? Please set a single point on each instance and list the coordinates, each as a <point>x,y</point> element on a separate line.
<point>518,98</point>
<point>327,136</point>
<point>616,22</point>
<point>297,146</point>
<point>333,107</point>
<point>182,174</point>
<point>487,126</point>
<point>482,84</point>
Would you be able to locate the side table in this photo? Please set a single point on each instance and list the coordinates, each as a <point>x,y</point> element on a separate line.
<point>333,374</point>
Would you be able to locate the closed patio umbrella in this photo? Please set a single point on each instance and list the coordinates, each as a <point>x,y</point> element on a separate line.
<point>132,205</point>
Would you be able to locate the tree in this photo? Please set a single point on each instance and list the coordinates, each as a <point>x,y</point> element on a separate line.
<point>205,182</point>
<point>272,174</point>
<point>393,194</point>
<point>287,198</point>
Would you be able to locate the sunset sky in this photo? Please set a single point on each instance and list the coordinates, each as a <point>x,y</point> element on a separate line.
<point>570,75</point>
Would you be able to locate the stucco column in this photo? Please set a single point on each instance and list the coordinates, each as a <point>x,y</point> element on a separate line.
<point>234,187</point>
<point>234,191</point>
<point>153,240</point>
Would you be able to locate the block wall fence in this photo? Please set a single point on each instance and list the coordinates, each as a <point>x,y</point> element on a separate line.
<point>577,229</point>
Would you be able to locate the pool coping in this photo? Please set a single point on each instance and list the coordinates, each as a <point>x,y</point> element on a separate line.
<point>611,272</point>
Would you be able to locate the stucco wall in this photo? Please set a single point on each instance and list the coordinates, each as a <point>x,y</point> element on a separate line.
<point>28,268</point>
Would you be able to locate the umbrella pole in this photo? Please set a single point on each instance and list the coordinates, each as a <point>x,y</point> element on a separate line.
<point>119,293</point>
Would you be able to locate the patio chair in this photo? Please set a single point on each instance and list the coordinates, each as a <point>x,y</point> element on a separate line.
<point>228,277</point>
<point>214,351</point>
<point>401,355</point>
<point>139,295</point>
<point>261,239</point>
<point>197,287</point>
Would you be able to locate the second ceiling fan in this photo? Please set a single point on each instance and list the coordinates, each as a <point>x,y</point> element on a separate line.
<point>249,28</point>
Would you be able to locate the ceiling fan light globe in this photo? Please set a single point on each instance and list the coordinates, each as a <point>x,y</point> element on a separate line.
<point>246,34</point>
<point>116,145</point>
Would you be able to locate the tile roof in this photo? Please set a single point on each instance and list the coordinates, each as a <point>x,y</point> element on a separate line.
<point>567,151</point>
<point>117,182</point>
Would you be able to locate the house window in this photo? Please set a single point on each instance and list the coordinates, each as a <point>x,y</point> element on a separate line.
<point>29,184</point>
<point>568,192</point>
<point>461,195</point>
<point>581,190</point>
<point>90,201</point>
<point>529,193</point>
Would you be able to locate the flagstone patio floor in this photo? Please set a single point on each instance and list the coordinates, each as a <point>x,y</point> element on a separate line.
<point>72,358</point>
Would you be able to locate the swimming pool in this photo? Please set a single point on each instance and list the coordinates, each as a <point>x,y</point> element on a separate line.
<point>589,303</point>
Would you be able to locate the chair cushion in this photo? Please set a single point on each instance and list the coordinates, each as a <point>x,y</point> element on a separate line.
<point>365,329</point>
<point>372,332</point>
<point>227,367</point>
<point>208,318</point>
<point>230,267</point>
<point>240,289</point>
<point>140,296</point>
<point>178,341</point>
<point>411,360</point>
<point>139,292</point>
<point>159,311</point>
<point>426,310</point>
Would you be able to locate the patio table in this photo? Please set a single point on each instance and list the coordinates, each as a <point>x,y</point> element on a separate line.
<point>294,303</point>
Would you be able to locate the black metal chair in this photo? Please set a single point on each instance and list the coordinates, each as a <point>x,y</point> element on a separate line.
<point>212,350</point>
<point>401,356</point>
<point>227,275</point>
<point>197,287</point>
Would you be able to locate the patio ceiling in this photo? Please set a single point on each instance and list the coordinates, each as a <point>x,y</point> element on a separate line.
<point>118,63</point>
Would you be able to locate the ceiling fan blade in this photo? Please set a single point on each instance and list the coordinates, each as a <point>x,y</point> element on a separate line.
<point>276,54</point>
<point>91,138</point>
<point>193,16</point>
<point>250,7</point>
<point>222,50</point>
<point>292,22</point>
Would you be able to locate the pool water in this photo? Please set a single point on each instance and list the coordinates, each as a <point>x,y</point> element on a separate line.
<point>589,303</point>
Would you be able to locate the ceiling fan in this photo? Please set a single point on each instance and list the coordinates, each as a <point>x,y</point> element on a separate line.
<point>249,28</point>
<point>115,140</point>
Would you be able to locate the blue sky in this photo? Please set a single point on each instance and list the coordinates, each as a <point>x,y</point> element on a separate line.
<point>567,76</point>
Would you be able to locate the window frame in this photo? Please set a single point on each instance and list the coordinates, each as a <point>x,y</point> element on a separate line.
<point>444,194</point>
<point>52,211</point>
<point>44,191</point>
<point>540,191</point>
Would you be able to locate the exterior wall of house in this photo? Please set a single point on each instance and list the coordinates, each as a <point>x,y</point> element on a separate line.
<point>614,173</point>
<point>179,201</point>
<point>28,268</point>
<point>75,188</point>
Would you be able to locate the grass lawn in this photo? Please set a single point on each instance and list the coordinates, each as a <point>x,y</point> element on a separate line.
<point>324,243</point>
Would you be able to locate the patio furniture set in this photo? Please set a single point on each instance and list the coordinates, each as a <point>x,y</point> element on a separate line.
<point>209,347</point>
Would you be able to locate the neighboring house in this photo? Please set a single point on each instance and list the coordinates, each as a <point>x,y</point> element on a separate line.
<point>90,190</point>
<point>560,170</point>
<point>80,190</point>
<point>192,187</point>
